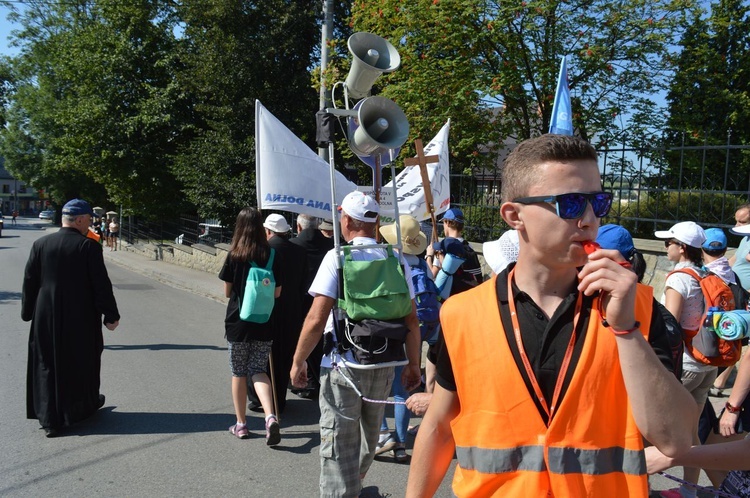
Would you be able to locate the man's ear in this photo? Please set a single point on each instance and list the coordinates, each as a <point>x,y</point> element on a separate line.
<point>511,214</point>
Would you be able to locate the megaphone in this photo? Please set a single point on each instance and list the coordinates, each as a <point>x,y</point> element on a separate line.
<point>382,126</point>
<point>372,56</point>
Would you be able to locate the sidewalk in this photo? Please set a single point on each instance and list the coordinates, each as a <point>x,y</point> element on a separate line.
<point>179,277</point>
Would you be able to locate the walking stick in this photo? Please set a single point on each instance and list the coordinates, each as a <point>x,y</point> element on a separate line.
<point>273,388</point>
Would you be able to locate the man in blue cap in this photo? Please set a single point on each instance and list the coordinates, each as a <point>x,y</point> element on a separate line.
<point>469,275</point>
<point>66,292</point>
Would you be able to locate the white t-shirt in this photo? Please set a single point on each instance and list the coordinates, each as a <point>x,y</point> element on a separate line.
<point>326,282</point>
<point>692,309</point>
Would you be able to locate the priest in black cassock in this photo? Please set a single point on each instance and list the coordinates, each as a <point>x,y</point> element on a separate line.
<point>66,292</point>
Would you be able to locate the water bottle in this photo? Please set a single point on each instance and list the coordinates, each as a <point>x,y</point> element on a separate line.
<point>709,321</point>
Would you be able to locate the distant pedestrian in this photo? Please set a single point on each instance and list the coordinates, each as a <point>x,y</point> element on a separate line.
<point>14,215</point>
<point>66,291</point>
<point>249,342</point>
<point>114,233</point>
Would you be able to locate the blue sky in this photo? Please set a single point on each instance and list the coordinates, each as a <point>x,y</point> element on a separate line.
<point>5,29</point>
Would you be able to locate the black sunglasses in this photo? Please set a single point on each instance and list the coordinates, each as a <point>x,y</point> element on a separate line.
<point>669,242</point>
<point>571,206</point>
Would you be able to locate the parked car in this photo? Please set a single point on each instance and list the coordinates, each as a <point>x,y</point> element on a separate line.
<point>1,223</point>
<point>47,214</point>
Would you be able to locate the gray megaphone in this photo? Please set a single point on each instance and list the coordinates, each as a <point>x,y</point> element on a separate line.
<point>372,56</point>
<point>382,126</point>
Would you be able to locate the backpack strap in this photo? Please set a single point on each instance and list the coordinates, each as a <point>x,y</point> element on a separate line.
<point>269,265</point>
<point>688,271</point>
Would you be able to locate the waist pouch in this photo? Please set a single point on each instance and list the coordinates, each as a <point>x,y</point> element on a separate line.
<point>376,341</point>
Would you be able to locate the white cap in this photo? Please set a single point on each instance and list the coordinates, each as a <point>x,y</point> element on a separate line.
<point>360,206</point>
<point>740,230</point>
<point>687,232</point>
<point>276,223</point>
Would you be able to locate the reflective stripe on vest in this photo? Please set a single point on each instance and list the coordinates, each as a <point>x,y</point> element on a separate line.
<point>561,460</point>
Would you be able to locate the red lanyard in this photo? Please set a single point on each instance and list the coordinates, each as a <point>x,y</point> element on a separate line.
<point>527,365</point>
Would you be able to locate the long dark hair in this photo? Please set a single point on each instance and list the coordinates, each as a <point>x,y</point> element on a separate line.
<point>249,239</point>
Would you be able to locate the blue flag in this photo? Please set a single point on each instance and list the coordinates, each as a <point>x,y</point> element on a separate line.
<point>561,122</point>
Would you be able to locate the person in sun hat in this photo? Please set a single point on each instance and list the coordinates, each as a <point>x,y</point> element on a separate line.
<point>414,243</point>
<point>740,260</point>
<point>349,425</point>
<point>67,295</point>
<point>684,299</point>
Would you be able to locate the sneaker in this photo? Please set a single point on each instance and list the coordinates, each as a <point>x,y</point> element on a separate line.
<point>399,453</point>
<point>716,392</point>
<point>240,431</point>
<point>384,446</point>
<point>412,430</point>
<point>273,437</point>
<point>671,493</point>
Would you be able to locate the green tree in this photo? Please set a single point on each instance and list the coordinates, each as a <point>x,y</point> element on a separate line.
<point>231,54</point>
<point>709,100</point>
<point>92,100</point>
<point>492,66</point>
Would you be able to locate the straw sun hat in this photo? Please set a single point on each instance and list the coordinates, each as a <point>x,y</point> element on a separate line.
<point>414,241</point>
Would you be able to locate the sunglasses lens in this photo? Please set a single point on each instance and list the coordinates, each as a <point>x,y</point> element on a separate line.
<point>601,203</point>
<point>571,206</point>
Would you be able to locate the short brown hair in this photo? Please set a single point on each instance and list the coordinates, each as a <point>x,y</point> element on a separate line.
<point>521,166</point>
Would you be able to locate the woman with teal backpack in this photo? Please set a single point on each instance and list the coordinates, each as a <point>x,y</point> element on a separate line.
<point>249,340</point>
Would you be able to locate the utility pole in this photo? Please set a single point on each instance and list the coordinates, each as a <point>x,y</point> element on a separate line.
<point>325,93</point>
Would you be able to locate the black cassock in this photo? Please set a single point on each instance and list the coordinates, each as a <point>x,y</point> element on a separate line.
<point>66,291</point>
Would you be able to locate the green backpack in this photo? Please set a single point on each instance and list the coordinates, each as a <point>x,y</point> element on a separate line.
<point>260,291</point>
<point>374,289</point>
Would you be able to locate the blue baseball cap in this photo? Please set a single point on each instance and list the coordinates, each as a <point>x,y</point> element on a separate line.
<point>454,214</point>
<point>77,207</point>
<point>616,237</point>
<point>716,240</point>
<point>450,245</point>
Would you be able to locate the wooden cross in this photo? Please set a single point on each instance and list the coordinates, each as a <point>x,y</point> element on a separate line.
<point>421,160</point>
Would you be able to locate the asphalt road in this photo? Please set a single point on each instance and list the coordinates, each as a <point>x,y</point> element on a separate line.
<point>163,429</point>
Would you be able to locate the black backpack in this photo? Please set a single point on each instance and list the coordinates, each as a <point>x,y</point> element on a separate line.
<point>675,337</point>
<point>469,275</point>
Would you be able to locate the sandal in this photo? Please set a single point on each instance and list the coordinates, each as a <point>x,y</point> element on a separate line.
<point>240,431</point>
<point>273,436</point>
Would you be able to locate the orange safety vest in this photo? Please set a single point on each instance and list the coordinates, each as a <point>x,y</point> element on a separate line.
<point>592,446</point>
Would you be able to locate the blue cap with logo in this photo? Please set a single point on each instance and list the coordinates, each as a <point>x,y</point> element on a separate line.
<point>716,240</point>
<point>77,207</point>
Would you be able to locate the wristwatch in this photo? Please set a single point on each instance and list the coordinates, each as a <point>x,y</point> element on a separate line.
<point>733,409</point>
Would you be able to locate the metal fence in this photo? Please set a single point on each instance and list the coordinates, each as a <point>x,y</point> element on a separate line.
<point>654,188</point>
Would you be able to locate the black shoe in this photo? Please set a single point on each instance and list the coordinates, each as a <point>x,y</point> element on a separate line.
<point>50,432</point>
<point>100,403</point>
<point>254,406</point>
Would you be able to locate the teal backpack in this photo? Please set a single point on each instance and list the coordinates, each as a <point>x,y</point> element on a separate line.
<point>260,290</point>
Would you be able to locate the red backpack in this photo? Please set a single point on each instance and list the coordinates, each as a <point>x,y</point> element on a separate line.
<point>716,293</point>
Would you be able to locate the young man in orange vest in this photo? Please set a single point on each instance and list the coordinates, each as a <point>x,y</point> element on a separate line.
<point>553,372</point>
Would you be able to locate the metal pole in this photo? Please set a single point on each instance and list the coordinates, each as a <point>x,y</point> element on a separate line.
<point>325,94</point>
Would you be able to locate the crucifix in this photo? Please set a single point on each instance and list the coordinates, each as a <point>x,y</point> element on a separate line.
<point>421,160</point>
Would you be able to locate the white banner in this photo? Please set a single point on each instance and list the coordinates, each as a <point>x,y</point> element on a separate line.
<point>411,198</point>
<point>292,177</point>
<point>289,175</point>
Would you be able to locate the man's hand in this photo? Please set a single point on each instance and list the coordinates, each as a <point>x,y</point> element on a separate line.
<point>298,374</point>
<point>604,273</point>
<point>411,377</point>
<point>112,326</point>
<point>418,403</point>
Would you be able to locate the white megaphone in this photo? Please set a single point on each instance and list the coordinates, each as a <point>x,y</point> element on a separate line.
<point>382,126</point>
<point>372,56</point>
